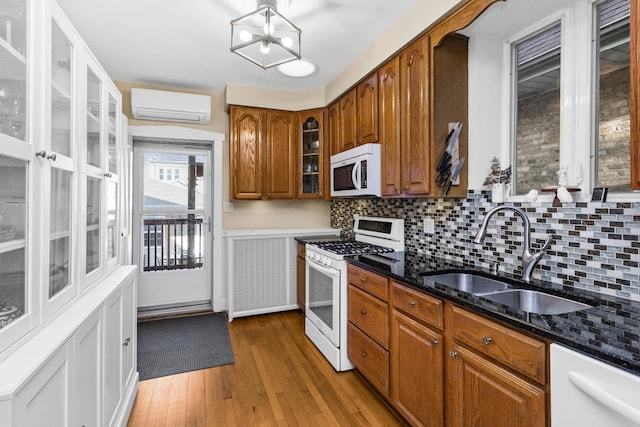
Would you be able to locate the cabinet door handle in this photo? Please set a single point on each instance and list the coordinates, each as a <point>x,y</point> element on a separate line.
<point>453,354</point>
<point>52,157</point>
<point>269,195</point>
<point>411,303</point>
<point>363,311</point>
<point>486,340</point>
<point>362,279</point>
<point>41,153</point>
<point>434,342</point>
<point>363,354</point>
<point>126,342</point>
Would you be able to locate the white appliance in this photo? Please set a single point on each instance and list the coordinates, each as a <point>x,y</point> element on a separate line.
<point>357,172</point>
<point>149,104</point>
<point>586,392</point>
<point>326,282</point>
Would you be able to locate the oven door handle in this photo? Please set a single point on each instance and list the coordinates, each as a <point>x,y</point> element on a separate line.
<point>326,270</point>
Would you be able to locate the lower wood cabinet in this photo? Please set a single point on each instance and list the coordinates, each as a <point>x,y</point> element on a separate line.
<point>441,365</point>
<point>417,374</point>
<point>301,276</point>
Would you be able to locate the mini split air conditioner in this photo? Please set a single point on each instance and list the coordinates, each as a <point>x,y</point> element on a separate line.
<point>148,104</point>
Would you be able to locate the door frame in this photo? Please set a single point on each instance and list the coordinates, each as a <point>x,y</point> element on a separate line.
<point>216,140</point>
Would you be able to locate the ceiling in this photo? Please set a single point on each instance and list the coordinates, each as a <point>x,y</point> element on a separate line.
<point>186,43</point>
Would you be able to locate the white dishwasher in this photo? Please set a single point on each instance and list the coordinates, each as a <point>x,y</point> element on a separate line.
<point>586,392</point>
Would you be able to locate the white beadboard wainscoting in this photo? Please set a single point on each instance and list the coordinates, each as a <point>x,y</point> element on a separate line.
<point>261,269</point>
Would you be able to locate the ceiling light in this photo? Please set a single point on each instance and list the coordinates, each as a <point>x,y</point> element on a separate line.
<point>265,37</point>
<point>300,68</point>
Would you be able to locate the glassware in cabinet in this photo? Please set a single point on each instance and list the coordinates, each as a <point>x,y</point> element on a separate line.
<point>311,156</point>
<point>13,73</point>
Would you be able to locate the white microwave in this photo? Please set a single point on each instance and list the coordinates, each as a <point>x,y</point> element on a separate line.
<point>357,172</point>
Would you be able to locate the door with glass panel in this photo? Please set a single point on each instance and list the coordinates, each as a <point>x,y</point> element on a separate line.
<point>172,226</point>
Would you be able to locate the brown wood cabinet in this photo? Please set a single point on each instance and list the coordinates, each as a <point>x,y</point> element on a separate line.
<point>389,126</point>
<point>311,155</point>
<point>417,357</point>
<point>415,162</point>
<point>246,152</point>
<point>368,326</point>
<point>348,123</point>
<point>367,110</point>
<point>261,154</point>
<point>634,42</point>
<point>333,130</point>
<point>488,370</point>
<point>301,274</point>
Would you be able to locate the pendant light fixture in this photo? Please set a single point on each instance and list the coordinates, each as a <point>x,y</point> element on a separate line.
<point>265,37</point>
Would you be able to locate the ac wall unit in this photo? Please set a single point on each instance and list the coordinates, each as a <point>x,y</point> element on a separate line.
<point>148,104</point>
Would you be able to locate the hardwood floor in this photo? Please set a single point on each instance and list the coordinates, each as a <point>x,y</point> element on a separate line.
<point>279,379</point>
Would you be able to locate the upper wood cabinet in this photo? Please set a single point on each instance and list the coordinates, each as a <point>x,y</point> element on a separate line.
<point>279,162</point>
<point>311,155</point>
<point>262,145</point>
<point>389,126</point>
<point>415,155</point>
<point>245,152</point>
<point>635,95</point>
<point>333,129</point>
<point>367,110</point>
<point>348,123</point>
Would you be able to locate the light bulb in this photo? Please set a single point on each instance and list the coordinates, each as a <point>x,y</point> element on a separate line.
<point>269,29</point>
<point>264,48</point>
<point>245,35</point>
<point>287,41</point>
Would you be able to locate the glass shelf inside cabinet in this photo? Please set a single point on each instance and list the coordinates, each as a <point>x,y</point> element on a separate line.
<point>12,242</point>
<point>310,156</point>
<point>112,153</point>
<point>62,52</point>
<point>94,90</point>
<point>13,72</point>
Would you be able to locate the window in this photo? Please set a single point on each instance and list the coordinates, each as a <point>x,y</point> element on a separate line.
<point>161,174</point>
<point>612,96</point>
<point>536,76</point>
<point>570,98</point>
<point>176,174</point>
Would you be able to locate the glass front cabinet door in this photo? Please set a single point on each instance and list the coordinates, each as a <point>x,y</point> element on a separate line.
<point>16,162</point>
<point>311,157</point>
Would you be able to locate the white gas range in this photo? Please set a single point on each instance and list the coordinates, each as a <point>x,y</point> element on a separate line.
<point>326,281</point>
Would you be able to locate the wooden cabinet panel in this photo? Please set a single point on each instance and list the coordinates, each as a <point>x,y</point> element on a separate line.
<point>417,371</point>
<point>367,110</point>
<point>333,129</point>
<point>369,282</point>
<point>419,305</point>
<point>389,125</point>
<point>301,276</point>
<point>481,393</point>
<point>348,121</point>
<point>245,153</point>
<point>415,161</point>
<point>369,314</point>
<point>635,95</point>
<point>515,350</point>
<point>369,358</point>
<point>280,155</point>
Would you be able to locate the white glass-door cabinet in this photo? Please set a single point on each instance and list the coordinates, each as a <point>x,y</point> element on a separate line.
<point>67,357</point>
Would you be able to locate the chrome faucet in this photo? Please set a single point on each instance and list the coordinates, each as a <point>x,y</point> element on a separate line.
<point>529,260</point>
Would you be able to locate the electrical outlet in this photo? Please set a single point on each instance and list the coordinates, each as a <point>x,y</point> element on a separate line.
<point>227,207</point>
<point>429,225</point>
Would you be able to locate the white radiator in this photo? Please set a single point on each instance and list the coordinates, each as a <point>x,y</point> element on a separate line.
<point>261,270</point>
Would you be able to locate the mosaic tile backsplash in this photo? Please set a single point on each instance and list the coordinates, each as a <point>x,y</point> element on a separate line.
<point>595,246</point>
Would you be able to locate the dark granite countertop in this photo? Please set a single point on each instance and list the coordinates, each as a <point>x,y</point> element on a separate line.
<point>610,331</point>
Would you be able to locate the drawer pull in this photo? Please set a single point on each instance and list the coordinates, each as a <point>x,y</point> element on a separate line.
<point>486,340</point>
<point>434,342</point>
<point>362,279</point>
<point>453,354</point>
<point>363,354</point>
<point>363,311</point>
<point>411,303</point>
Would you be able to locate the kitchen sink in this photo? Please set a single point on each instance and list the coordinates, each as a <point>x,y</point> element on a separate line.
<point>468,282</point>
<point>535,302</point>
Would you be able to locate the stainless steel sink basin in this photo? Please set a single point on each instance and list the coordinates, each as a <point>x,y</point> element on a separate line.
<point>470,283</point>
<point>536,302</point>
